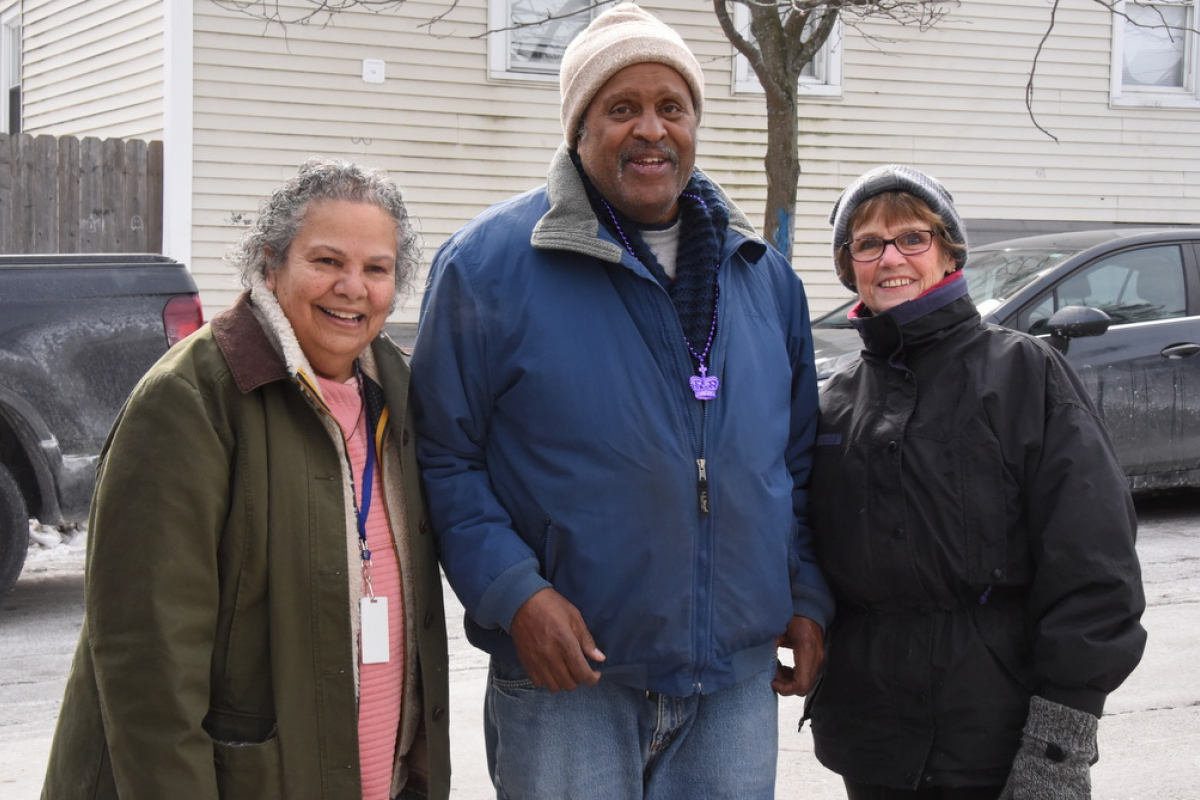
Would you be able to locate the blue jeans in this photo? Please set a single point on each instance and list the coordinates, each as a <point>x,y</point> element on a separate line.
<point>611,742</point>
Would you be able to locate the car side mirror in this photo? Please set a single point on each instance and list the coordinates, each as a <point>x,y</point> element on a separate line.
<point>1072,322</point>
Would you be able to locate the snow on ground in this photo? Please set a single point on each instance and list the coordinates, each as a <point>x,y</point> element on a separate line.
<point>54,550</point>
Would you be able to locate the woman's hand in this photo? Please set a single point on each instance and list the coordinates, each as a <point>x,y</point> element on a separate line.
<point>1058,746</point>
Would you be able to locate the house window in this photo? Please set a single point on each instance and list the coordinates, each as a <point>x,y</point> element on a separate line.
<point>10,73</point>
<point>821,77</point>
<point>527,37</point>
<point>1154,59</point>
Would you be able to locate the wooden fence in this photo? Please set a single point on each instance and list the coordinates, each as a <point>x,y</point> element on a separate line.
<point>67,195</point>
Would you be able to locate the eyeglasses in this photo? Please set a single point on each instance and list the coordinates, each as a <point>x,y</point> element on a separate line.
<point>869,248</point>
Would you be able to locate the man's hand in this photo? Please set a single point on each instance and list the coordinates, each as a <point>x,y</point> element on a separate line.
<point>807,643</point>
<point>553,643</point>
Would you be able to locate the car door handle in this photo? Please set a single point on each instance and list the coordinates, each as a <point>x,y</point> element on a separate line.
<point>1181,350</point>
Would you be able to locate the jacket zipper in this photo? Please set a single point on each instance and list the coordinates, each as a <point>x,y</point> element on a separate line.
<point>703,617</point>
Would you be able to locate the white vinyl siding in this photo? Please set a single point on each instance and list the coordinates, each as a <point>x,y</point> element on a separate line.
<point>951,101</point>
<point>457,139</point>
<point>453,139</point>
<point>94,67</point>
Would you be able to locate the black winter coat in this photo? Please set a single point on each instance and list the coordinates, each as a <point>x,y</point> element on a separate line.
<point>978,534</point>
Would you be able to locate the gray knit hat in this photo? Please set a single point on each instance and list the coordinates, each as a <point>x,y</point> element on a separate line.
<point>620,37</point>
<point>897,178</point>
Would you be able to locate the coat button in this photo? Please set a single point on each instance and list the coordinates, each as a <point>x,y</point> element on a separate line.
<point>898,533</point>
<point>997,573</point>
<point>893,446</point>
<point>404,437</point>
<point>439,713</point>
<point>423,527</point>
<point>428,620</point>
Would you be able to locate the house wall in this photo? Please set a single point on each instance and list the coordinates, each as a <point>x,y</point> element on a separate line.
<point>93,67</point>
<point>455,141</point>
<point>952,101</point>
<point>949,101</point>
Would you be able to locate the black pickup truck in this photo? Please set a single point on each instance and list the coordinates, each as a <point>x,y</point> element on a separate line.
<point>76,334</point>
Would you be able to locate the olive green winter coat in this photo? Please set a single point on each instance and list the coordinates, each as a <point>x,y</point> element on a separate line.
<point>217,657</point>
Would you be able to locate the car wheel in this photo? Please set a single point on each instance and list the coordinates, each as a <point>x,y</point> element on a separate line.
<point>14,531</point>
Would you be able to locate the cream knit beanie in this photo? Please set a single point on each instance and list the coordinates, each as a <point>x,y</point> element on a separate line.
<point>620,37</point>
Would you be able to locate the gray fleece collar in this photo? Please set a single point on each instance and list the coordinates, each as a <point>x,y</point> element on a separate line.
<point>571,224</point>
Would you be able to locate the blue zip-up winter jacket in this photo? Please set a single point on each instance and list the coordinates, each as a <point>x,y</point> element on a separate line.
<point>561,445</point>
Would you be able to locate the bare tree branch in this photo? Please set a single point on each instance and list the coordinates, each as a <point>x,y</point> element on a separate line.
<point>780,41</point>
<point>1116,8</point>
<point>721,9</point>
<point>273,11</point>
<point>547,17</point>
<point>1033,71</point>
<point>438,18</point>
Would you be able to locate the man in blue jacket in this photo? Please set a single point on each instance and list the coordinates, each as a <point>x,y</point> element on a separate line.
<point>616,409</point>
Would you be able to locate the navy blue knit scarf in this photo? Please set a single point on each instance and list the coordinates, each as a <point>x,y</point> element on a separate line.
<point>704,221</point>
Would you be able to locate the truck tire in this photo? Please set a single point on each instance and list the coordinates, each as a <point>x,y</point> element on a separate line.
<point>14,531</point>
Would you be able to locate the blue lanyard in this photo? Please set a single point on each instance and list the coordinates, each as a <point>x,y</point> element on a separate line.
<point>368,474</point>
<point>368,484</point>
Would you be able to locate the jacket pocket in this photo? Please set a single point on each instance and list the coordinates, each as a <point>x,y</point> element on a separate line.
<point>1002,629</point>
<point>245,754</point>
<point>248,770</point>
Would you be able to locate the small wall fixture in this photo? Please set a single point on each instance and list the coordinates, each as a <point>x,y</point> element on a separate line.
<point>373,70</point>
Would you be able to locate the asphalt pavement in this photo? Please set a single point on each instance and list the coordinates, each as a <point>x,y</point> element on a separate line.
<point>1149,735</point>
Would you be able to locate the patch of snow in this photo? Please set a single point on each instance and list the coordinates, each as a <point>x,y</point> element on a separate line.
<point>53,548</point>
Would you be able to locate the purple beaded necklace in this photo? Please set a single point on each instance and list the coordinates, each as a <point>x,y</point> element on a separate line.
<point>704,386</point>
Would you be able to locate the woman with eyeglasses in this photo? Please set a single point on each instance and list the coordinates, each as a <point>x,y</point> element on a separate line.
<point>974,525</point>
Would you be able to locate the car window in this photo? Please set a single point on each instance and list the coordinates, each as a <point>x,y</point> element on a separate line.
<point>838,318</point>
<point>1134,286</point>
<point>994,275</point>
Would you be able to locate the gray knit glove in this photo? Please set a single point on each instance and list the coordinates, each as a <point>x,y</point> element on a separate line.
<point>1057,749</point>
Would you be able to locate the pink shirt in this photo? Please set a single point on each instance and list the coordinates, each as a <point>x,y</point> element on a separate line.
<point>380,685</point>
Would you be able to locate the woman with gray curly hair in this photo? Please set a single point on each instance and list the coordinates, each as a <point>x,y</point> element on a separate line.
<point>264,249</point>
<point>264,614</point>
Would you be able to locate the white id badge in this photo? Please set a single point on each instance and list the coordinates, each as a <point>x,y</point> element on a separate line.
<point>376,646</point>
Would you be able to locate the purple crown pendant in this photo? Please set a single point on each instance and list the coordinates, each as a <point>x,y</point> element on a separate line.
<point>705,386</point>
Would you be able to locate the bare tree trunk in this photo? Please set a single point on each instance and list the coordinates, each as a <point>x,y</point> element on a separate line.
<point>777,50</point>
<point>782,163</point>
